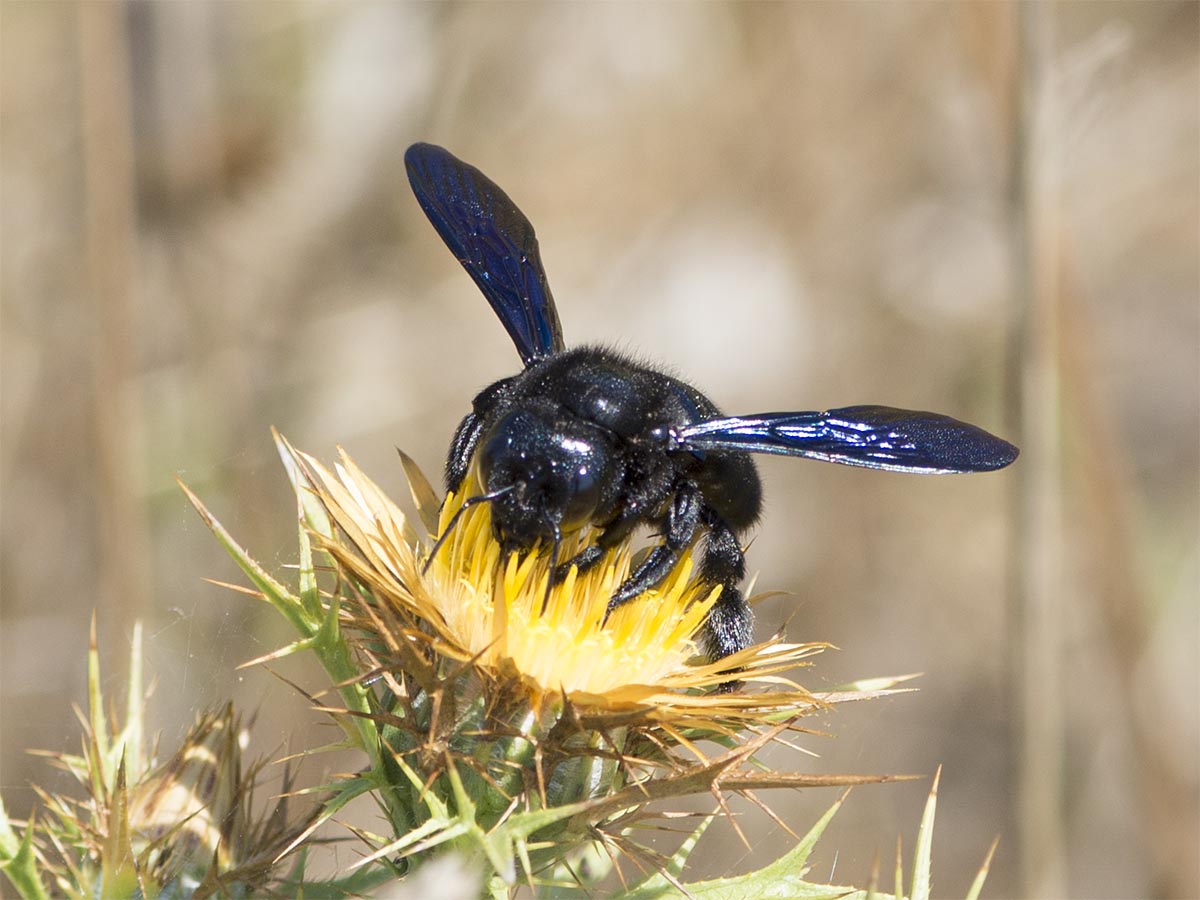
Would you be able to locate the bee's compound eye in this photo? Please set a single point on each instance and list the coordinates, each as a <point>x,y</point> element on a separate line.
<point>519,449</point>
<point>582,483</point>
<point>492,457</point>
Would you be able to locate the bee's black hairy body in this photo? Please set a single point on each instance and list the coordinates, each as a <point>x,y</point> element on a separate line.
<point>588,437</point>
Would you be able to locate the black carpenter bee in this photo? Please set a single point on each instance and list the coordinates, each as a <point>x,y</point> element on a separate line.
<point>590,437</point>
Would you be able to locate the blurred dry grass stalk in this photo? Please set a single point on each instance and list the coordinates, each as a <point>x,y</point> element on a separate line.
<point>204,231</point>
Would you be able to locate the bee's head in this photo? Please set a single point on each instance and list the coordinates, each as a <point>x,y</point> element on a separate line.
<point>562,473</point>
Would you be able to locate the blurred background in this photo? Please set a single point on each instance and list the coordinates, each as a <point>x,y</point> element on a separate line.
<point>987,210</point>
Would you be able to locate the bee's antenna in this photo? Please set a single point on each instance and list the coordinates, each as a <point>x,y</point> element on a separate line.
<point>469,502</point>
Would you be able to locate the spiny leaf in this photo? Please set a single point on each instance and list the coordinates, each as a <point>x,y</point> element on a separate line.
<point>131,734</point>
<point>498,846</point>
<point>283,652</point>
<point>784,878</point>
<point>310,619</point>
<point>982,874</point>
<point>101,773</point>
<point>118,873</point>
<point>278,595</point>
<point>431,833</point>
<point>922,864</point>
<point>873,685</point>
<point>899,867</point>
<point>18,861</point>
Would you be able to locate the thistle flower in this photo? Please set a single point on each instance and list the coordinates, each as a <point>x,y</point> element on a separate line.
<point>506,724</point>
<point>503,717</point>
<point>503,616</point>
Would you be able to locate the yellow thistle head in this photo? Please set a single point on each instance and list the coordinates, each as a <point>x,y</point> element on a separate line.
<point>501,613</point>
<point>559,637</point>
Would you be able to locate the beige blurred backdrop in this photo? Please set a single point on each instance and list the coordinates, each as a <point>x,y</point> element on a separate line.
<point>990,211</point>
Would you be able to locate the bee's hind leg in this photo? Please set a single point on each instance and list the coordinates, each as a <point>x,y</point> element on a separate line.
<point>730,624</point>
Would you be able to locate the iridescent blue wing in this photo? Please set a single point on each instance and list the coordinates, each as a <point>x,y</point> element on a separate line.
<point>494,242</point>
<point>877,437</point>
